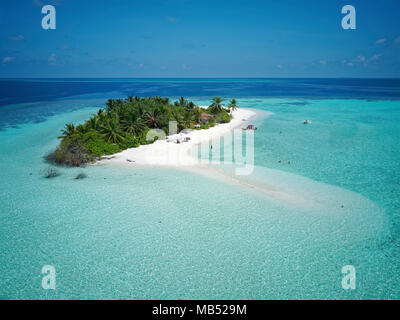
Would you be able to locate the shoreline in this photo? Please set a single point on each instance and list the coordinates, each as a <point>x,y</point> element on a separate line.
<point>163,154</point>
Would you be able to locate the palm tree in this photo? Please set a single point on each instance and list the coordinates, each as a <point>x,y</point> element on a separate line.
<point>110,104</point>
<point>233,106</point>
<point>191,105</point>
<point>114,103</point>
<point>176,115</point>
<point>153,118</point>
<point>68,130</point>
<point>181,103</point>
<point>93,123</point>
<point>216,106</point>
<point>197,115</point>
<point>111,130</point>
<point>133,124</point>
<point>101,116</point>
<point>187,119</point>
<point>82,129</point>
<point>141,110</point>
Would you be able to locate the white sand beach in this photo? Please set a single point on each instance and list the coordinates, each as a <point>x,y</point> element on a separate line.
<point>172,154</point>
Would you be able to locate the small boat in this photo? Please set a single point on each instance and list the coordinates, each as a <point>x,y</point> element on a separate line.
<point>307,121</point>
<point>250,127</point>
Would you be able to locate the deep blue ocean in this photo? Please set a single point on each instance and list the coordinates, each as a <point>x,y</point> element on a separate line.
<point>16,91</point>
<point>158,233</point>
<point>30,90</point>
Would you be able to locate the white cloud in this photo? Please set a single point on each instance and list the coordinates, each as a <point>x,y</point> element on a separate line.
<point>323,62</point>
<point>360,59</point>
<point>19,37</point>
<point>376,57</point>
<point>380,41</point>
<point>8,59</point>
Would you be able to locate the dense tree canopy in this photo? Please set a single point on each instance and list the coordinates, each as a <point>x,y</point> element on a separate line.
<point>125,123</point>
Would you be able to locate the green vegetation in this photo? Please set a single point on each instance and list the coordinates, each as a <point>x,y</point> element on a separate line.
<point>124,124</point>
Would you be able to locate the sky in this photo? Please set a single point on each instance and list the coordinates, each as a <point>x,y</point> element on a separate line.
<point>199,38</point>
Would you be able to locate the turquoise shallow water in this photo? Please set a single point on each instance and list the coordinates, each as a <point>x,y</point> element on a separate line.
<point>170,234</point>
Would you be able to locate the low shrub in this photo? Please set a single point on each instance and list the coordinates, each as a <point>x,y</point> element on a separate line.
<point>73,154</point>
<point>51,173</point>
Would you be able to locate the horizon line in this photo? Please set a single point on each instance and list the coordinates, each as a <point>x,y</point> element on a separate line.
<point>366,78</point>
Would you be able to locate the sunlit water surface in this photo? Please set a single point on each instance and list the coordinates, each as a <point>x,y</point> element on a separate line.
<point>136,233</point>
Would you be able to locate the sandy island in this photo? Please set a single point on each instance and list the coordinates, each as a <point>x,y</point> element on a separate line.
<point>171,154</point>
